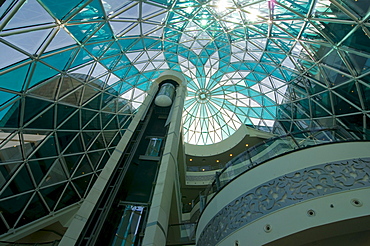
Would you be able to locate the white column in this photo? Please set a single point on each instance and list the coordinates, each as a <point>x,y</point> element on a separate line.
<point>156,227</point>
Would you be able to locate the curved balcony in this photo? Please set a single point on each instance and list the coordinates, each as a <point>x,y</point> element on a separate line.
<point>275,147</point>
<point>318,193</point>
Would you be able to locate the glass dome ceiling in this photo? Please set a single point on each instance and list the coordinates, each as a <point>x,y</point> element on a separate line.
<point>242,59</point>
<point>73,73</point>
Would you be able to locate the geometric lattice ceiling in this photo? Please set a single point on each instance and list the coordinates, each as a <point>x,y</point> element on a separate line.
<point>240,57</point>
<point>72,74</point>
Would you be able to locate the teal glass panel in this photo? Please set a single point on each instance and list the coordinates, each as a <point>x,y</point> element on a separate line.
<point>41,72</point>
<point>5,97</point>
<point>14,79</point>
<point>82,57</point>
<point>104,33</point>
<point>114,49</point>
<point>61,9</point>
<point>9,116</point>
<point>93,10</point>
<point>97,49</point>
<point>82,32</point>
<point>60,60</point>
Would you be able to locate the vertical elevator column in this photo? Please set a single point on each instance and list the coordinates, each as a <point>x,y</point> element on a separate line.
<point>159,212</point>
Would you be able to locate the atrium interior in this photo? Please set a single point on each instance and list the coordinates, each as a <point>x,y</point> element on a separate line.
<point>243,85</point>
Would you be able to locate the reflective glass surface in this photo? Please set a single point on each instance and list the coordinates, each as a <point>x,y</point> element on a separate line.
<point>73,73</point>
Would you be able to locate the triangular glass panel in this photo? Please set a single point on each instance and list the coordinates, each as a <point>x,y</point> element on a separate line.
<point>65,138</point>
<point>342,106</point>
<point>55,175</point>
<point>60,40</point>
<point>43,121</point>
<point>64,111</point>
<point>48,89</point>
<point>81,58</point>
<point>133,31</point>
<point>61,59</point>
<point>75,147</point>
<point>104,160</point>
<point>7,171</point>
<point>349,91</point>
<point>83,31</point>
<point>33,139</point>
<point>365,92</point>
<point>91,11</point>
<point>104,33</point>
<point>95,158</point>
<point>73,122</point>
<point>19,184</point>
<point>74,98</point>
<point>41,73</point>
<point>81,184</point>
<point>33,107</point>
<point>131,13</point>
<point>6,97</point>
<point>39,168</point>
<point>29,41</point>
<point>35,210</point>
<point>94,103</point>
<point>52,194</point>
<point>30,14</point>
<point>86,116</point>
<point>72,162</point>
<point>98,143</point>
<point>13,207</point>
<point>360,63</point>
<point>69,197</point>
<point>105,118</point>
<point>84,168</point>
<point>89,137</point>
<point>17,76</point>
<point>12,55</point>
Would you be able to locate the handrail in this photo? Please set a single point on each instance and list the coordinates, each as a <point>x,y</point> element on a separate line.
<point>272,148</point>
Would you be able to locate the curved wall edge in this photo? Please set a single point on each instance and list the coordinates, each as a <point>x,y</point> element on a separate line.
<point>284,182</point>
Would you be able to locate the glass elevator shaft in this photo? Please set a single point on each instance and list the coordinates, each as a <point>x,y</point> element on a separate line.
<point>120,215</point>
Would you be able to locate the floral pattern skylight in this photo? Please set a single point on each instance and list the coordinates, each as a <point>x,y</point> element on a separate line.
<point>73,74</point>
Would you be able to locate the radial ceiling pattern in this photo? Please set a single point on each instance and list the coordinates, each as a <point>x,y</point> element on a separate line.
<point>72,74</point>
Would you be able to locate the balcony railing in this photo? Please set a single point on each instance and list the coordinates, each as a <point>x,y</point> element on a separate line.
<point>273,148</point>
